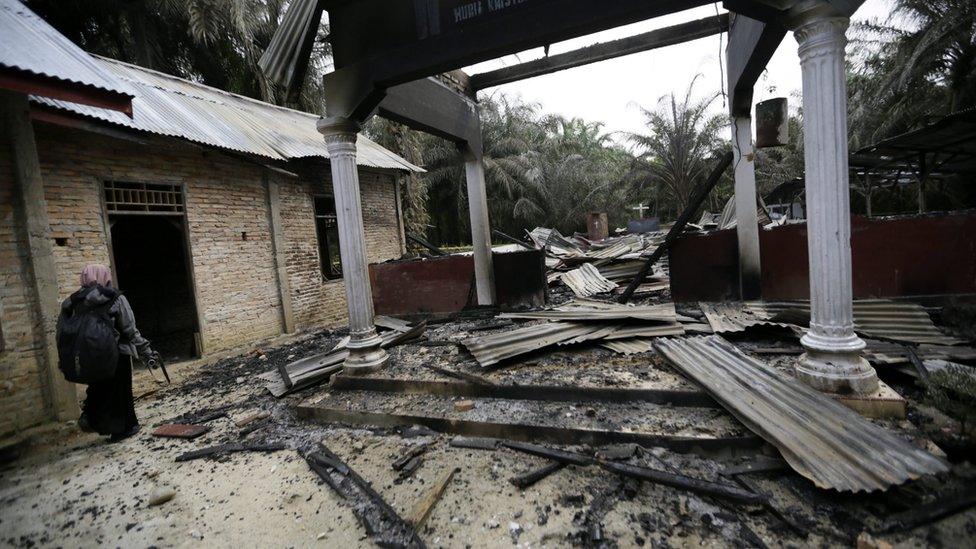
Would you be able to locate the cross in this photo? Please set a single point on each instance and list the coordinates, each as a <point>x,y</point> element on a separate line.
<point>640,210</point>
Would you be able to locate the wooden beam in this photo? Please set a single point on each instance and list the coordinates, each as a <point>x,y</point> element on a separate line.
<point>751,46</point>
<point>531,432</point>
<point>658,38</point>
<point>666,397</point>
<point>697,198</point>
<point>430,106</point>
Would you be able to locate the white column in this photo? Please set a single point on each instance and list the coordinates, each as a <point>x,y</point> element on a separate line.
<point>484,273</point>
<point>832,361</point>
<point>747,221</point>
<point>365,353</point>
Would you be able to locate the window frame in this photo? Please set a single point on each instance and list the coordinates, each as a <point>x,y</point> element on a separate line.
<point>323,241</point>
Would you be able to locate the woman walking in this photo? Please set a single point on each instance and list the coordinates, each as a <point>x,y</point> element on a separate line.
<point>109,408</point>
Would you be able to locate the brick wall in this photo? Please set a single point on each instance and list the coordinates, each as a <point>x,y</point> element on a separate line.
<point>316,301</point>
<point>226,199</point>
<point>22,381</point>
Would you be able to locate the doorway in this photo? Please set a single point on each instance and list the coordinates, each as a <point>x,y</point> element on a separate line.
<point>152,269</point>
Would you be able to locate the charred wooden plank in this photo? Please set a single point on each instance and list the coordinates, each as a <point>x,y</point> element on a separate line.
<point>484,388</point>
<point>232,447</point>
<point>528,432</point>
<point>682,482</point>
<point>532,476</point>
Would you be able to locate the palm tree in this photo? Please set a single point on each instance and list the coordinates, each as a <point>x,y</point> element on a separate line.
<point>918,64</point>
<point>216,42</point>
<point>674,154</point>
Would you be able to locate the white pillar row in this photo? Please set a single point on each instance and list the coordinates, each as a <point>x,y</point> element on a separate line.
<point>484,273</point>
<point>747,220</point>
<point>832,361</point>
<point>365,353</point>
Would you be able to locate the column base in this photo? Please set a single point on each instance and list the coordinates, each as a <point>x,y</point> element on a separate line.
<point>840,373</point>
<point>365,355</point>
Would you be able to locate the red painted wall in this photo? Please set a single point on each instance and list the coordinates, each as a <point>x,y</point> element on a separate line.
<point>927,255</point>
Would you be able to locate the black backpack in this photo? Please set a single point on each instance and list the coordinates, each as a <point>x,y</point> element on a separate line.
<point>88,349</point>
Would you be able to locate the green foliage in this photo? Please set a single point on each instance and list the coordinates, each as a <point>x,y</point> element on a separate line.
<point>919,64</point>
<point>677,152</point>
<point>953,390</point>
<point>540,170</point>
<point>216,42</point>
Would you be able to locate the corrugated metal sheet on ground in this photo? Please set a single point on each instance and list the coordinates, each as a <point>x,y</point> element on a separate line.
<point>586,281</point>
<point>820,438</point>
<point>173,107</point>
<point>736,317</point>
<point>630,346</point>
<point>29,44</point>
<point>490,349</point>
<point>892,319</point>
<point>591,310</point>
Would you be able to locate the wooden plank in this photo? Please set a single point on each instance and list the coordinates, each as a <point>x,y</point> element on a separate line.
<point>659,38</point>
<point>532,476</point>
<point>525,432</point>
<point>418,516</point>
<point>562,393</point>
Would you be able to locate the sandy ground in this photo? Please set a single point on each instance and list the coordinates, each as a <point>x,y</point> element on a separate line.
<point>72,489</point>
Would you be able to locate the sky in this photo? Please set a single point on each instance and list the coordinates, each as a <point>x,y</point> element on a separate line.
<point>610,91</point>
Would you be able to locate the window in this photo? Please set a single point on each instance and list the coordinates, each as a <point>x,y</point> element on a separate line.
<point>145,198</point>
<point>327,232</point>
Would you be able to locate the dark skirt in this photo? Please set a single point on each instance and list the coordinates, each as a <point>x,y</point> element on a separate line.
<point>109,407</point>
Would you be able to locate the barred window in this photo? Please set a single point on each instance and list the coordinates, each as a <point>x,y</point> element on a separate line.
<point>327,233</point>
<point>143,198</point>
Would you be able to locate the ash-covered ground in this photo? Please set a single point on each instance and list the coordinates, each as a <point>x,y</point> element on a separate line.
<point>71,489</point>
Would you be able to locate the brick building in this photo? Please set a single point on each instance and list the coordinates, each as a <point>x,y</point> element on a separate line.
<point>214,211</point>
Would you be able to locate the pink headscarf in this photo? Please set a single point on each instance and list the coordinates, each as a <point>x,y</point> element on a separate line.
<point>96,274</point>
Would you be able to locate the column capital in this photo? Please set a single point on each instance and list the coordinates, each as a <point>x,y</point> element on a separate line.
<point>818,27</point>
<point>338,131</point>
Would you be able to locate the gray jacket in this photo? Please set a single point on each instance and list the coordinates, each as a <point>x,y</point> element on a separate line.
<point>131,342</point>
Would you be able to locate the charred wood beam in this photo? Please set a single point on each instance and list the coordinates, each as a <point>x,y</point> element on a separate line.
<point>655,476</point>
<point>380,520</point>
<point>658,38</point>
<point>925,514</point>
<point>423,242</point>
<point>532,476</point>
<point>228,449</point>
<point>527,432</point>
<point>697,198</point>
<point>478,386</point>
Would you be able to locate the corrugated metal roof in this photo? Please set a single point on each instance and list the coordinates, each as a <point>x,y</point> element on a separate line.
<point>490,349</point>
<point>591,310</point>
<point>586,281</point>
<point>29,44</point>
<point>174,107</point>
<point>892,319</point>
<point>631,346</point>
<point>820,438</point>
<point>736,317</point>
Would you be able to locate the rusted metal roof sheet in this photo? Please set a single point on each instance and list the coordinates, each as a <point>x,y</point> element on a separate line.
<point>593,310</point>
<point>490,349</point>
<point>820,438</point>
<point>170,106</point>
<point>892,319</point>
<point>586,281</point>
<point>29,44</point>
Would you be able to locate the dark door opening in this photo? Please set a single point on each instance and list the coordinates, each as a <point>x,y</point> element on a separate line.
<point>153,274</point>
